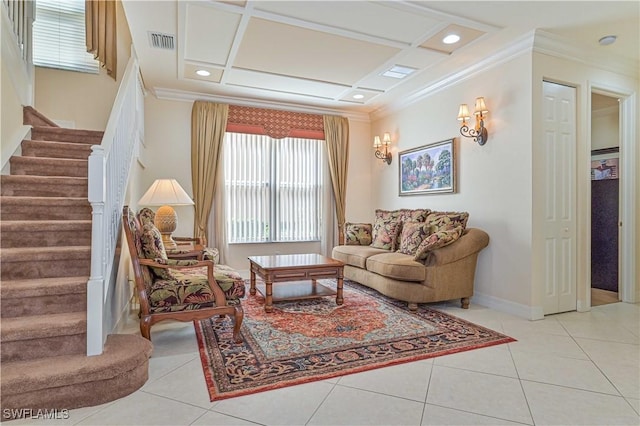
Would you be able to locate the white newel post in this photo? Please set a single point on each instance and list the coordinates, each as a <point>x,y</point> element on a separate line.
<point>95,285</point>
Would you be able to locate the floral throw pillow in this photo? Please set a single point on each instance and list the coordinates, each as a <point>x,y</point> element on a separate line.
<point>448,220</point>
<point>440,238</point>
<point>358,234</point>
<point>153,248</point>
<point>412,235</point>
<point>385,233</point>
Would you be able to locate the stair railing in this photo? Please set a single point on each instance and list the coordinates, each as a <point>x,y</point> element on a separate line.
<point>109,166</point>
<point>21,14</point>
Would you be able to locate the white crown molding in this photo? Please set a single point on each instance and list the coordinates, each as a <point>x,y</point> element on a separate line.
<point>519,46</point>
<point>554,45</point>
<point>184,96</point>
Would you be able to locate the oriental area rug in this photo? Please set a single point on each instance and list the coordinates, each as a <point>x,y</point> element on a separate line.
<point>314,339</point>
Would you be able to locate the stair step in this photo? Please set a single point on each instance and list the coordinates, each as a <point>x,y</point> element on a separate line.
<point>44,262</point>
<point>41,166</point>
<point>44,186</point>
<point>42,296</point>
<point>76,381</point>
<point>43,336</point>
<point>44,208</point>
<point>60,134</point>
<point>44,233</point>
<point>50,149</point>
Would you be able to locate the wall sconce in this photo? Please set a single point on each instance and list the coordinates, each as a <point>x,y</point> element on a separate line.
<point>386,141</point>
<point>479,134</point>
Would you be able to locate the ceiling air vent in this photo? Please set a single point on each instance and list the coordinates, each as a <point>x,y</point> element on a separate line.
<point>161,41</point>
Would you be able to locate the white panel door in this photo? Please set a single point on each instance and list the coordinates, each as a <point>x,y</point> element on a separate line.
<point>559,117</point>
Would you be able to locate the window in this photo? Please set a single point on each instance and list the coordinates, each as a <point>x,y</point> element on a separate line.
<point>273,188</point>
<point>59,36</point>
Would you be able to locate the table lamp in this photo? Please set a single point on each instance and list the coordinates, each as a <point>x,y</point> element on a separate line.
<point>166,193</point>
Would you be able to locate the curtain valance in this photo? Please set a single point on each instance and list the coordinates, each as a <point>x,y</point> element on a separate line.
<point>275,123</point>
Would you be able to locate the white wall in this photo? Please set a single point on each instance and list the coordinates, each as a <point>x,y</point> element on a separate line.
<point>168,140</point>
<point>494,180</point>
<point>605,131</point>
<point>81,98</point>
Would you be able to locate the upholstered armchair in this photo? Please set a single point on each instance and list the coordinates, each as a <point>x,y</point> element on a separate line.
<point>178,289</point>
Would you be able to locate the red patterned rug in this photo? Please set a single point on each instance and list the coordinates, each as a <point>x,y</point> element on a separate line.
<point>314,339</point>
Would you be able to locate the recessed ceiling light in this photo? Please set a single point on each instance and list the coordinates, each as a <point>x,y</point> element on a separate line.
<point>607,40</point>
<point>398,71</point>
<point>451,39</point>
<point>203,73</point>
<point>358,96</point>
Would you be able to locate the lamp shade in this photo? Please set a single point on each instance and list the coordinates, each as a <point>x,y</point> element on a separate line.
<point>463,112</point>
<point>481,108</point>
<point>165,192</point>
<point>386,139</point>
<point>376,141</point>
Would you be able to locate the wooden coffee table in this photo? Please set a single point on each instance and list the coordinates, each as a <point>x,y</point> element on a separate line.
<point>300,272</point>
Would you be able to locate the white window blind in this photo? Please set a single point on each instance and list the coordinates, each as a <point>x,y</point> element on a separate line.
<point>273,188</point>
<point>59,36</point>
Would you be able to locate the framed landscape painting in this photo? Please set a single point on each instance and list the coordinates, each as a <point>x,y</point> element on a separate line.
<point>429,169</point>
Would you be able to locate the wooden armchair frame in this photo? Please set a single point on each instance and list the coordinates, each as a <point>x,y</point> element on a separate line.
<point>147,317</point>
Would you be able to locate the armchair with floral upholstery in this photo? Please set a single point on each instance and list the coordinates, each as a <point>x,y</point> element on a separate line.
<point>196,248</point>
<point>179,289</point>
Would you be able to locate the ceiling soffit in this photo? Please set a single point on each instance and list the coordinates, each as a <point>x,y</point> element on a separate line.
<point>329,50</point>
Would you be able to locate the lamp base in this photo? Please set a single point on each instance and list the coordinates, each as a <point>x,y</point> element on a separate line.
<point>166,221</point>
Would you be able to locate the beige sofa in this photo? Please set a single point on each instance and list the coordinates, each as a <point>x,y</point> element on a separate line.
<point>446,273</point>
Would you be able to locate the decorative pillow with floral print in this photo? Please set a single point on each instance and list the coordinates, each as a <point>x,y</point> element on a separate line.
<point>358,234</point>
<point>153,248</point>
<point>401,216</point>
<point>385,233</point>
<point>412,235</point>
<point>448,220</point>
<point>146,215</point>
<point>436,240</point>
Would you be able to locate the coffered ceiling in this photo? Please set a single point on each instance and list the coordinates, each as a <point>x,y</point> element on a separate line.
<point>334,54</point>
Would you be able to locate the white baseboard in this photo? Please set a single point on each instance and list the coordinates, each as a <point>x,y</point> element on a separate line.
<point>509,307</point>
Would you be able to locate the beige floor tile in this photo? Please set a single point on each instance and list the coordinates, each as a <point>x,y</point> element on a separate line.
<point>556,405</point>
<point>480,393</point>
<point>141,408</point>
<point>185,384</point>
<point>607,330</point>
<point>548,325</point>
<point>600,351</point>
<point>492,360</point>
<point>635,403</point>
<point>626,378</point>
<point>348,406</point>
<point>217,419</point>
<point>405,380</point>
<point>548,344</point>
<point>574,373</point>
<point>436,416</point>
<point>160,366</point>
<point>293,405</point>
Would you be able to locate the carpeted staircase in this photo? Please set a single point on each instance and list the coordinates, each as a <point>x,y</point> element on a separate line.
<point>45,255</point>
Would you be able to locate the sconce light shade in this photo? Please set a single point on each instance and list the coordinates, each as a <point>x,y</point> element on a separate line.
<point>479,134</point>
<point>377,144</point>
<point>386,139</point>
<point>165,193</point>
<point>481,108</point>
<point>463,113</point>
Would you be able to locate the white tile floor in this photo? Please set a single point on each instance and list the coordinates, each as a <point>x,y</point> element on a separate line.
<point>573,368</point>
